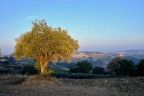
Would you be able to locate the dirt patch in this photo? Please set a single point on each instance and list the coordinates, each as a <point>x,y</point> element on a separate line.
<point>40,80</point>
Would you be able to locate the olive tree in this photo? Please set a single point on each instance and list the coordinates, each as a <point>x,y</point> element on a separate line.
<point>45,44</point>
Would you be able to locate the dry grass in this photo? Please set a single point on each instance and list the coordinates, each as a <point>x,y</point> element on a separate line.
<point>48,86</point>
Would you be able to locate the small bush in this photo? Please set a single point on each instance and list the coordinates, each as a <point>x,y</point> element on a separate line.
<point>4,71</point>
<point>104,76</point>
<point>140,68</point>
<point>29,69</point>
<point>98,70</point>
<point>61,74</point>
<point>81,76</point>
<point>82,67</point>
<point>73,75</point>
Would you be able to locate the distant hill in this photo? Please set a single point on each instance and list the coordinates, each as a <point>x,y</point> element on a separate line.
<point>80,55</point>
<point>132,52</point>
<point>95,58</point>
<point>134,55</point>
<point>101,59</point>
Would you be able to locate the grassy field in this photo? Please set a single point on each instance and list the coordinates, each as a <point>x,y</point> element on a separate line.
<point>18,85</point>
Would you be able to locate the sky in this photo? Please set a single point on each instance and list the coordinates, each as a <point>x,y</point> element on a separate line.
<point>98,25</point>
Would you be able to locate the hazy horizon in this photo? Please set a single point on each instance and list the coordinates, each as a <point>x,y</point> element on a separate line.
<point>98,25</point>
<point>10,51</point>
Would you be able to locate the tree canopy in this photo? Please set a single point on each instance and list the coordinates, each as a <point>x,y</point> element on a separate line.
<point>98,70</point>
<point>45,44</point>
<point>140,68</point>
<point>113,65</point>
<point>121,66</point>
<point>126,67</point>
<point>82,67</point>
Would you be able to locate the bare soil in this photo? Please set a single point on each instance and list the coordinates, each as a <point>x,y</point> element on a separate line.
<point>13,85</point>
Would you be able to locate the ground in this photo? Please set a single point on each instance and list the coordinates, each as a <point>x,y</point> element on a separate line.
<point>17,85</point>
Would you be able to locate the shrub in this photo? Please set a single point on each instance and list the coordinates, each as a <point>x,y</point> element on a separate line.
<point>140,68</point>
<point>98,70</point>
<point>113,66</point>
<point>73,75</point>
<point>126,67</point>
<point>81,76</point>
<point>122,67</point>
<point>82,67</point>
<point>4,71</point>
<point>29,69</point>
<point>60,74</point>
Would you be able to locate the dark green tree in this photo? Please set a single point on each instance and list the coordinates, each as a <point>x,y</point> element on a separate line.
<point>29,69</point>
<point>98,70</point>
<point>126,67</point>
<point>140,68</point>
<point>113,66</point>
<point>82,67</point>
<point>120,66</point>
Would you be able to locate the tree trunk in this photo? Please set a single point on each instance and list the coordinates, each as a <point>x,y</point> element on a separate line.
<point>43,61</point>
<point>43,68</point>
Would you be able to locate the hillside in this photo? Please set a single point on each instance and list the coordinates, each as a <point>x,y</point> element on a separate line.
<point>99,58</point>
<point>95,58</point>
<point>134,55</point>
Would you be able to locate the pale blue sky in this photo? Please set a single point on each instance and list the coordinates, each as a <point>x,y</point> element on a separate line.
<point>99,25</point>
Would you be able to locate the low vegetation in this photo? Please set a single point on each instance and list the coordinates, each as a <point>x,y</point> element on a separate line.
<point>29,69</point>
<point>21,85</point>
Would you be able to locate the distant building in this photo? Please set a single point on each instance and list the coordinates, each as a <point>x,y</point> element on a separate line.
<point>114,55</point>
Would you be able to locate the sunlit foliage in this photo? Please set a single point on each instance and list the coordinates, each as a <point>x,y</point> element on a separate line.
<point>45,44</point>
